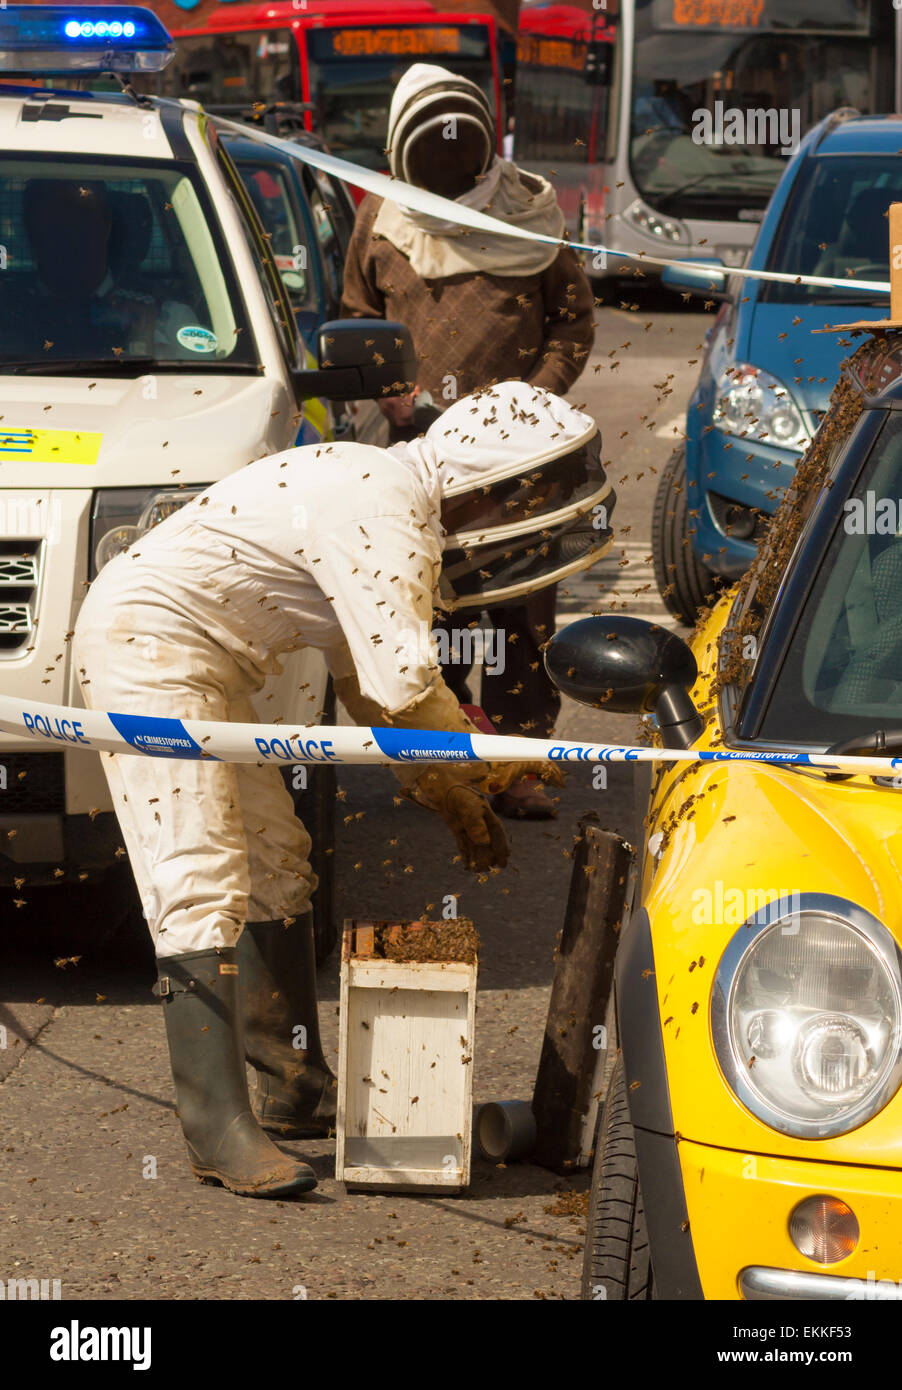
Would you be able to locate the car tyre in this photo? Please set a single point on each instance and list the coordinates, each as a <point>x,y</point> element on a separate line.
<point>617,1261</point>
<point>684,581</point>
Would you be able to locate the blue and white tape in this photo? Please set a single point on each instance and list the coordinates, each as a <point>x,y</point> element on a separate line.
<point>397,191</point>
<point>48,727</point>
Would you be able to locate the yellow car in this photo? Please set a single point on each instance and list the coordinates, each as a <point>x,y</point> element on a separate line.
<point>750,1141</point>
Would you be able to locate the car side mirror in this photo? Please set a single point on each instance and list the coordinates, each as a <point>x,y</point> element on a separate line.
<point>628,666</point>
<point>708,280</point>
<point>360,359</point>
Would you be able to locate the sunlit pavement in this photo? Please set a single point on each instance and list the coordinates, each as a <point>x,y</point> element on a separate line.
<point>86,1109</point>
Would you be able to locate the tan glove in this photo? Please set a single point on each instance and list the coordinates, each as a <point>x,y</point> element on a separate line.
<point>453,790</point>
<point>478,831</point>
<point>439,709</point>
<point>502,775</point>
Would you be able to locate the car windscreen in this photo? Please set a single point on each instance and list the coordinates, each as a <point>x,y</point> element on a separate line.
<point>842,674</point>
<point>834,224</point>
<point>112,261</point>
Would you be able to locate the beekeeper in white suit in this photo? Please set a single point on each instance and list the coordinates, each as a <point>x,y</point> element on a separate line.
<point>227,585</point>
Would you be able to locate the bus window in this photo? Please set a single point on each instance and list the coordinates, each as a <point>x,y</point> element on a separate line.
<point>353,74</point>
<point>229,69</point>
<point>560,116</point>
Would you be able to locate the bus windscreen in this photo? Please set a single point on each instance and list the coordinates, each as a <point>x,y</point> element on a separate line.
<point>354,71</point>
<point>718,107</point>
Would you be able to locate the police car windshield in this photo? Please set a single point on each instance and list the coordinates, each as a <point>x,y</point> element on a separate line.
<point>117,262</point>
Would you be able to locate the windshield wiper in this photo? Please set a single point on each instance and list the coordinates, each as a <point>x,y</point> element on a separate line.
<point>73,366</point>
<point>118,366</point>
<point>882,743</point>
<point>722,175</point>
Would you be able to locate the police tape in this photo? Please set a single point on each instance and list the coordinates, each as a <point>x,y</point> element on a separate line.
<point>53,726</point>
<point>434,205</point>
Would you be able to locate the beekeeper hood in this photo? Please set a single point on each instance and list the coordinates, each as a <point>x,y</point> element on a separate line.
<point>515,476</point>
<point>441,137</point>
<point>429,98</point>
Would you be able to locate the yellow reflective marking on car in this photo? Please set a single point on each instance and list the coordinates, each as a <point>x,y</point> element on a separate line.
<point>50,446</point>
<point>316,414</point>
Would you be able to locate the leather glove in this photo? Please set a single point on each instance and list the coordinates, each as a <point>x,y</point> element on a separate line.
<point>478,831</point>
<point>501,775</point>
<point>439,710</point>
<point>454,791</point>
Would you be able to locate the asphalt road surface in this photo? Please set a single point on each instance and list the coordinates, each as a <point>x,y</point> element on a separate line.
<point>94,1187</point>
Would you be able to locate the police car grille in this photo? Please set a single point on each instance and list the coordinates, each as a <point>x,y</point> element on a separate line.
<point>32,782</point>
<point>20,567</point>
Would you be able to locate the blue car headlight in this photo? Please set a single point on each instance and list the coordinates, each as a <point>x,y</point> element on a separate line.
<point>752,404</point>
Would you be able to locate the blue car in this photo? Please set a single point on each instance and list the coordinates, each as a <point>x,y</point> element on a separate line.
<point>765,380</point>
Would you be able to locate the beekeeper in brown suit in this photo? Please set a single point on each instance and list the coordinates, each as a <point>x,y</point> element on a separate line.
<point>481,308</point>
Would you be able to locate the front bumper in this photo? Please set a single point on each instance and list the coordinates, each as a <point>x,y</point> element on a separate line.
<point>727,471</point>
<point>739,1206</point>
<point>727,241</point>
<point>759,1284</point>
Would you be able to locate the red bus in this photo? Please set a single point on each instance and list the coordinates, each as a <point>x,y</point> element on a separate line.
<point>344,57</point>
<point>562,88</point>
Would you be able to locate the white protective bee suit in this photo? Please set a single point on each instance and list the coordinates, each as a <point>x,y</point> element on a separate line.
<point>337,547</point>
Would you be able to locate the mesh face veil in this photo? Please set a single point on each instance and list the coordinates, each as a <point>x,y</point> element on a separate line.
<point>524,497</point>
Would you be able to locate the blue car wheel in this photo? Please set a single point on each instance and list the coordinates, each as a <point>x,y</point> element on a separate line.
<point>685,583</point>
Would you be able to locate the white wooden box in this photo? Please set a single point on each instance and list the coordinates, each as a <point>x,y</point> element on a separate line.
<point>405,1068</point>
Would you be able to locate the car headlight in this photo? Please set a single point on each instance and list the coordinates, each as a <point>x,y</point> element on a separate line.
<point>752,404</point>
<point>806,1015</point>
<point>123,514</point>
<point>653,224</point>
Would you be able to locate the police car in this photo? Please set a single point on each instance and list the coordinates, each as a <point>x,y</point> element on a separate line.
<point>148,347</point>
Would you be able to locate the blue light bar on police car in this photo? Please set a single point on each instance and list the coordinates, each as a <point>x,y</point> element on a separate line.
<point>82,39</point>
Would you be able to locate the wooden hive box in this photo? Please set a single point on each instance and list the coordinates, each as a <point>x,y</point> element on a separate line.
<point>405,1068</point>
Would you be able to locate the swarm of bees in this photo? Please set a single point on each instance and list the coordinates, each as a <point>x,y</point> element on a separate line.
<point>762,579</point>
<point>453,940</point>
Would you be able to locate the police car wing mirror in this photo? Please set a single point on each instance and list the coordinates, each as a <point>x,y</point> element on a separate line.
<point>628,666</point>
<point>360,359</point>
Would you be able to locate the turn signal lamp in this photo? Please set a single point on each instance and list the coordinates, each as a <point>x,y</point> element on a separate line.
<point>824,1229</point>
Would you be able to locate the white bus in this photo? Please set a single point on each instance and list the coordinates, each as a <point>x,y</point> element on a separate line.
<point>691,110</point>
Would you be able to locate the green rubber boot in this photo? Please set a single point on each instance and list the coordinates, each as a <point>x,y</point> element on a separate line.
<point>296,1095</point>
<point>201,1006</point>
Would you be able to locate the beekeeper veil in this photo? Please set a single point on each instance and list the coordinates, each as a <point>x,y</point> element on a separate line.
<point>516,477</point>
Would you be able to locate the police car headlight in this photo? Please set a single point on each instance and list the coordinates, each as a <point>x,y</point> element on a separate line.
<point>806,1015</point>
<point>121,515</point>
<point>752,404</point>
